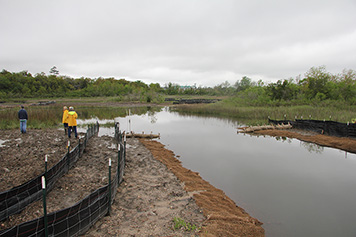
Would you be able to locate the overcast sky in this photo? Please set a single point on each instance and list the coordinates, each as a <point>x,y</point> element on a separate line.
<point>202,42</point>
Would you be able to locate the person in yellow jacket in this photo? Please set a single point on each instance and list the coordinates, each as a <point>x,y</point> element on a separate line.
<point>72,122</point>
<point>65,119</point>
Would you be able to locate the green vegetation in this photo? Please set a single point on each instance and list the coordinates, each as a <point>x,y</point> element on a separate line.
<point>51,116</point>
<point>258,115</point>
<point>317,87</point>
<point>181,224</point>
<point>318,94</point>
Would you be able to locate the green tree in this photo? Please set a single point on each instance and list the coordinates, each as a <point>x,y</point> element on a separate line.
<point>172,89</point>
<point>54,71</point>
<point>315,82</point>
<point>244,84</point>
<point>283,90</point>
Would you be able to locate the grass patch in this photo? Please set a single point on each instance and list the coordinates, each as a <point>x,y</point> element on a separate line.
<point>180,224</point>
<point>51,116</point>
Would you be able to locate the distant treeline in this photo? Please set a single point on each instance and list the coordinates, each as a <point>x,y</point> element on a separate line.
<point>316,85</point>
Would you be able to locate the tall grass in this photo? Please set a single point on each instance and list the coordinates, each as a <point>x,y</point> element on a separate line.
<point>253,115</point>
<point>38,117</point>
<point>51,116</point>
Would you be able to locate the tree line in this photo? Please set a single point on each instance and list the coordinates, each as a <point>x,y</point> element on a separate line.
<point>315,86</point>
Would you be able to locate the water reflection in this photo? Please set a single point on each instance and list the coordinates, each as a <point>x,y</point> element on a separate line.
<point>280,181</point>
<point>311,147</point>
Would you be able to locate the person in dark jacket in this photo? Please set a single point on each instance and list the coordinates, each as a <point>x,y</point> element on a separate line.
<point>23,117</point>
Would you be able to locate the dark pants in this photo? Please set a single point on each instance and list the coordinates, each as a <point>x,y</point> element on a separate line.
<point>72,129</point>
<point>65,127</point>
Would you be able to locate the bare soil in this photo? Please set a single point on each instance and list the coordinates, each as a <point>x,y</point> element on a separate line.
<point>155,190</point>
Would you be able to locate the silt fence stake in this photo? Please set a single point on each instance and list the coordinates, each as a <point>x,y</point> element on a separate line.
<point>45,174</point>
<point>44,205</point>
<point>68,147</point>
<point>109,204</point>
<point>124,146</point>
<point>118,163</point>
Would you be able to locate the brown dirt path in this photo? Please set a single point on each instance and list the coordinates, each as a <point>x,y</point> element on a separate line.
<point>148,200</point>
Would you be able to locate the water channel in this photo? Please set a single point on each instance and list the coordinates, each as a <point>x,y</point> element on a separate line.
<point>294,188</point>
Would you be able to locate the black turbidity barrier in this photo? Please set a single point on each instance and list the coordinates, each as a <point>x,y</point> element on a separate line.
<point>331,128</point>
<point>77,219</point>
<point>16,199</point>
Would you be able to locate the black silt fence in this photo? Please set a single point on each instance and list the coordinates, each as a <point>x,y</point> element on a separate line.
<point>67,222</point>
<point>76,220</point>
<point>331,128</point>
<point>16,199</point>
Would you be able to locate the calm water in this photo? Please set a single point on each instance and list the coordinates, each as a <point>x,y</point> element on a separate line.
<point>294,188</point>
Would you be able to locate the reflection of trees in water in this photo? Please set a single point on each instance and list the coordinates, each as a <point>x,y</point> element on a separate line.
<point>151,113</point>
<point>152,116</point>
<point>284,139</point>
<point>311,147</point>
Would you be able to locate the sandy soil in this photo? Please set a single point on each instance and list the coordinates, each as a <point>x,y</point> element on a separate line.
<point>156,187</point>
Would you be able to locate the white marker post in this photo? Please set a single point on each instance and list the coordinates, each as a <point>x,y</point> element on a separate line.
<point>109,204</point>
<point>45,174</point>
<point>44,205</point>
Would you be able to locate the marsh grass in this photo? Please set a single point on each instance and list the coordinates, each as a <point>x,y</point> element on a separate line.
<point>254,115</point>
<point>51,116</point>
<point>39,117</point>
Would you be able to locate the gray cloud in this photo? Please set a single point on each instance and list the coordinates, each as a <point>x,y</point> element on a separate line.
<point>201,41</point>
